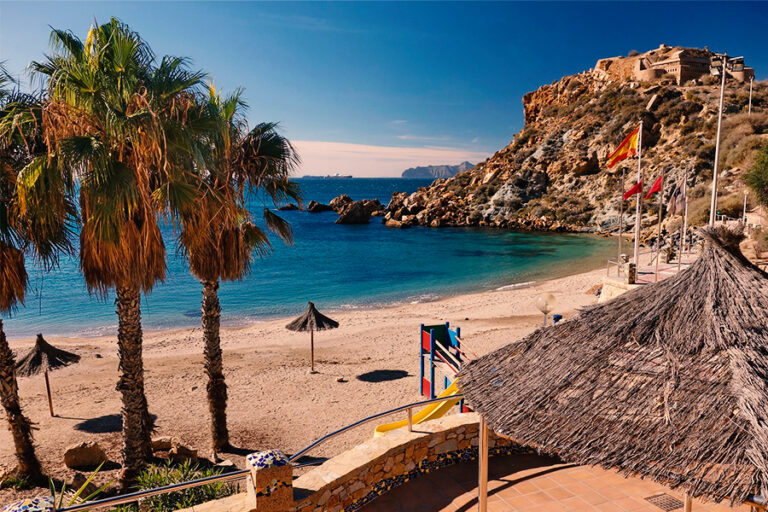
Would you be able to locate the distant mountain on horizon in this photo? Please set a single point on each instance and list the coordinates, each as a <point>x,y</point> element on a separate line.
<point>437,171</point>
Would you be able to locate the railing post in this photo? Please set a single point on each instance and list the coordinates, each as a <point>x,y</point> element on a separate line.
<point>410,419</point>
<point>270,485</point>
<point>482,470</point>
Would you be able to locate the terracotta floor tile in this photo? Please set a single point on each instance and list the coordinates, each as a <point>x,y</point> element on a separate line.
<point>559,493</point>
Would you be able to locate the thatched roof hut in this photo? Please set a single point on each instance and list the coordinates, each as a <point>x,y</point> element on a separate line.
<point>668,381</point>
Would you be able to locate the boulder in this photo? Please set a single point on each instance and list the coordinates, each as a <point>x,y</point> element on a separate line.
<point>392,223</point>
<point>288,207</point>
<point>84,455</point>
<point>181,453</point>
<point>315,207</point>
<point>164,443</point>
<point>359,212</point>
<point>355,213</point>
<point>338,203</point>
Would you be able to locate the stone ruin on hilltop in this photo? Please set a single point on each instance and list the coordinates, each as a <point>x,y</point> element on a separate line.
<point>684,64</point>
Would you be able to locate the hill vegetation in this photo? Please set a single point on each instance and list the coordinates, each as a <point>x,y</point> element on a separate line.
<point>552,175</point>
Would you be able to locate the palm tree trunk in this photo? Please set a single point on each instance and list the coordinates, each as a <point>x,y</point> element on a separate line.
<point>137,425</point>
<point>214,366</point>
<point>20,426</point>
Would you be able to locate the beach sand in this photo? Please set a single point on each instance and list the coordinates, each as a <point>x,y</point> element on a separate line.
<point>273,400</point>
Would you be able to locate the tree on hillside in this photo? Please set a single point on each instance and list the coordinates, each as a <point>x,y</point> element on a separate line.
<point>36,211</point>
<point>219,237</point>
<point>757,176</point>
<point>117,119</point>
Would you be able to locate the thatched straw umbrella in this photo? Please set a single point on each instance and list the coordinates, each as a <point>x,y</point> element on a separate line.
<point>312,321</point>
<point>44,357</point>
<point>668,381</point>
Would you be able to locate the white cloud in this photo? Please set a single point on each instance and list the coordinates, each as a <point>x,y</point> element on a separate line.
<point>368,161</point>
<point>398,122</point>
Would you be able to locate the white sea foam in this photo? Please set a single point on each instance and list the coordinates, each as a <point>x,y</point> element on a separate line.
<point>527,284</point>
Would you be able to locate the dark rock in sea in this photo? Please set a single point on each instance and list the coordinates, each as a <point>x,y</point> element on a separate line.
<point>359,212</point>
<point>315,207</point>
<point>338,203</point>
<point>288,207</point>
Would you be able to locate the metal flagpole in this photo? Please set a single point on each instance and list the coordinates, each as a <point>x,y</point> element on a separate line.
<point>744,213</point>
<point>749,112</point>
<point>713,204</point>
<point>658,231</point>
<point>639,200</point>
<point>621,218</point>
<point>683,225</point>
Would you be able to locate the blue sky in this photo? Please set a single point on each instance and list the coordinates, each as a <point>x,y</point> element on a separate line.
<point>372,88</point>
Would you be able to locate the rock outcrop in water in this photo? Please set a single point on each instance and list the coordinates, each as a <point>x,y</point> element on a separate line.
<point>355,212</point>
<point>552,175</point>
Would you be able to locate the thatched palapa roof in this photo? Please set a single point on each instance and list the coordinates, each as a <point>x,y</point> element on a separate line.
<point>44,357</point>
<point>312,320</point>
<point>667,381</point>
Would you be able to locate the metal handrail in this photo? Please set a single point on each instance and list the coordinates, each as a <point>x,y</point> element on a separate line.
<point>242,473</point>
<point>135,496</point>
<point>408,408</point>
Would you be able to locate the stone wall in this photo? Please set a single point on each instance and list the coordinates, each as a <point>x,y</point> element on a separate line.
<point>357,476</point>
<point>352,479</point>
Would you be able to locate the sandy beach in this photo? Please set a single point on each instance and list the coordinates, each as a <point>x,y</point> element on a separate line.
<point>273,400</point>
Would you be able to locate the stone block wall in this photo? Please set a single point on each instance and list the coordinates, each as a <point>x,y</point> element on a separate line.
<point>354,478</point>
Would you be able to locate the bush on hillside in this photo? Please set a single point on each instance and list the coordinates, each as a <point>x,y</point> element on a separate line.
<point>757,176</point>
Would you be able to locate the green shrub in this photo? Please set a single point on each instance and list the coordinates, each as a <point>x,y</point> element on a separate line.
<point>13,481</point>
<point>159,476</point>
<point>757,176</point>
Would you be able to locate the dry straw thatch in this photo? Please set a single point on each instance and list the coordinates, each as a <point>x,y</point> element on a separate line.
<point>44,357</point>
<point>312,320</point>
<point>668,381</point>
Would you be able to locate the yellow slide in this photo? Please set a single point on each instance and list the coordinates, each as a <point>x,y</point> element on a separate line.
<point>430,412</point>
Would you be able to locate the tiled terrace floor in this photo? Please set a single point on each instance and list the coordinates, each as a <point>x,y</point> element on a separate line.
<point>527,483</point>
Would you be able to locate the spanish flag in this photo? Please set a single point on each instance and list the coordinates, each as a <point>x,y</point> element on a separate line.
<point>627,148</point>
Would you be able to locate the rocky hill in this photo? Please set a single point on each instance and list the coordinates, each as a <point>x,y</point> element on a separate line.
<point>552,175</point>
<point>436,171</point>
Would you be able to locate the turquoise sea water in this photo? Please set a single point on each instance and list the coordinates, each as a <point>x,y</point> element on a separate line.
<point>336,266</point>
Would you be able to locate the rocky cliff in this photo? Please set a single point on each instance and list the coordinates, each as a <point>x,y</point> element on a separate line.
<point>436,171</point>
<point>552,175</point>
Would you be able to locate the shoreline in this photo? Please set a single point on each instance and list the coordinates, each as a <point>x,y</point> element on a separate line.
<point>368,365</point>
<point>109,331</point>
<point>236,324</point>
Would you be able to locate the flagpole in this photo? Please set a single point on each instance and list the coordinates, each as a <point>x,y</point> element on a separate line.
<point>639,200</point>
<point>683,225</point>
<point>658,231</point>
<point>621,218</point>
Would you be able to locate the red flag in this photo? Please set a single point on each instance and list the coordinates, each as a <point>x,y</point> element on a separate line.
<point>655,187</point>
<point>637,189</point>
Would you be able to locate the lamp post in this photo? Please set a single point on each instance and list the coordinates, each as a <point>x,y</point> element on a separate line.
<point>546,302</point>
<point>720,64</point>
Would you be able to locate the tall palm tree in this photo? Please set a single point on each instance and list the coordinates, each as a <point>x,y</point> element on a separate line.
<point>36,211</point>
<point>219,237</point>
<point>117,119</point>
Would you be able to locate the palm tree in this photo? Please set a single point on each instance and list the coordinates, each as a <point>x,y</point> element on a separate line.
<point>219,237</point>
<point>35,216</point>
<point>117,119</point>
